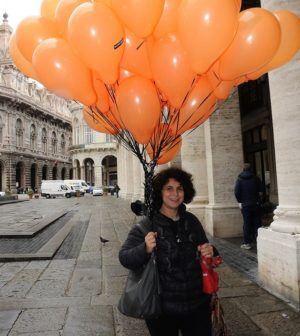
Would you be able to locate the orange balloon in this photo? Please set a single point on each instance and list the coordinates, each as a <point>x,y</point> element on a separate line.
<point>140,17</point>
<point>171,70</point>
<point>206,28</point>
<point>63,12</point>
<point>105,2</point>
<point>252,46</point>
<point>168,20</point>
<point>240,80</point>
<point>123,74</point>
<point>62,72</point>
<point>200,100</point>
<point>98,38</point>
<point>213,75</point>
<point>136,57</point>
<point>114,116</point>
<point>31,31</point>
<point>238,4</point>
<point>101,93</point>
<point>139,107</point>
<point>289,43</point>
<point>223,89</point>
<point>168,152</point>
<point>97,123</point>
<point>48,8</point>
<point>19,60</point>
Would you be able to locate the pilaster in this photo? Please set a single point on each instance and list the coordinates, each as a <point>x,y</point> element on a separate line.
<point>98,175</point>
<point>224,160</point>
<point>194,162</point>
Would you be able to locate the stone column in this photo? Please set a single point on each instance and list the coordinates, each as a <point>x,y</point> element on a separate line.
<point>138,179</point>
<point>129,174</point>
<point>193,160</point>
<point>98,174</point>
<point>279,246</point>
<point>224,160</point>
<point>82,173</point>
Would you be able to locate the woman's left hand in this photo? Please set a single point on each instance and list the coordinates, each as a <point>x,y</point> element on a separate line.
<point>206,250</point>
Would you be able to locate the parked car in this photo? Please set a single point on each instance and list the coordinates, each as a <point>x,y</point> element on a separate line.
<point>97,191</point>
<point>2,193</point>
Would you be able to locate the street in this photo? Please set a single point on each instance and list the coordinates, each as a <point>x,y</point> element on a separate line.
<point>58,278</point>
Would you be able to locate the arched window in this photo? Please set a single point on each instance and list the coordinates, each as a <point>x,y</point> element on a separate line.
<point>32,136</point>
<point>19,133</point>
<point>63,144</point>
<point>44,140</point>
<point>54,143</point>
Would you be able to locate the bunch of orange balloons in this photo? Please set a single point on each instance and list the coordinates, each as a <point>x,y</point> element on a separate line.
<point>129,60</point>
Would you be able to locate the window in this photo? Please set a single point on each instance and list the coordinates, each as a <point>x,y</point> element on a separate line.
<point>109,138</point>
<point>44,140</point>
<point>88,135</point>
<point>63,144</point>
<point>19,133</point>
<point>54,143</point>
<point>32,136</point>
<point>76,135</point>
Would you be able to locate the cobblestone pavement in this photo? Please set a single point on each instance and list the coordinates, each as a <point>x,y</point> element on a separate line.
<point>76,292</point>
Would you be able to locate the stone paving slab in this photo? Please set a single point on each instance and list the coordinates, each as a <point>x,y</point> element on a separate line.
<point>39,320</point>
<point>92,321</point>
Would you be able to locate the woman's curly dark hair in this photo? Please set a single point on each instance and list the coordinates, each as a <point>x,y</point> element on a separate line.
<point>181,176</point>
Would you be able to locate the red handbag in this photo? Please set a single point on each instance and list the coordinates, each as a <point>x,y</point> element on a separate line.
<point>210,277</point>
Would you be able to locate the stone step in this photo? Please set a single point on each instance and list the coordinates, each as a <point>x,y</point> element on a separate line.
<point>47,251</point>
<point>28,231</point>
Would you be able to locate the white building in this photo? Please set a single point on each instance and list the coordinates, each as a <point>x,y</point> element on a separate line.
<point>35,127</point>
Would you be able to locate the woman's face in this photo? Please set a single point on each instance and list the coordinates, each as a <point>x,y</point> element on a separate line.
<point>172,194</point>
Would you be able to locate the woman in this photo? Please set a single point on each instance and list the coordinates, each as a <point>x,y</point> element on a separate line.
<point>178,239</point>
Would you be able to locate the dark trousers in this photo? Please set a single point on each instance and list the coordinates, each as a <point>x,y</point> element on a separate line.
<point>252,221</point>
<point>197,323</point>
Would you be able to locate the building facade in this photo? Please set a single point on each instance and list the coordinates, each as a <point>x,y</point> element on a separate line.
<point>94,154</point>
<point>35,128</point>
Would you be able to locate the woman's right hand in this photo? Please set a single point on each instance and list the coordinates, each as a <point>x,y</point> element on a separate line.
<point>150,241</point>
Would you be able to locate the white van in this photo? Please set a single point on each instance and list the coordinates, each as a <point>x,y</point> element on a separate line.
<point>55,188</point>
<point>77,185</point>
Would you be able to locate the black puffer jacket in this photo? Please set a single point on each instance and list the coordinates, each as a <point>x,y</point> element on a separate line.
<point>177,260</point>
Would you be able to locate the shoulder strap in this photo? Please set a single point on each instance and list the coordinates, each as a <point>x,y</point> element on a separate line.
<point>144,225</point>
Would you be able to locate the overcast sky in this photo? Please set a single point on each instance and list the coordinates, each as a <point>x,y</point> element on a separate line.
<point>18,10</point>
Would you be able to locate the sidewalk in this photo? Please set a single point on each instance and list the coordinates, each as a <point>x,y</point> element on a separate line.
<point>77,296</point>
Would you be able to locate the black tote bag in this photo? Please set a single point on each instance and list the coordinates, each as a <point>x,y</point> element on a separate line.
<point>141,296</point>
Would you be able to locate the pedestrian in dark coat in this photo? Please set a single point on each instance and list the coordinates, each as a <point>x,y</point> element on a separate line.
<point>248,192</point>
<point>117,189</point>
<point>178,239</point>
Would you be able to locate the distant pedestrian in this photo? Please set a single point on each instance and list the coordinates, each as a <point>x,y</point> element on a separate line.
<point>117,189</point>
<point>248,192</point>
